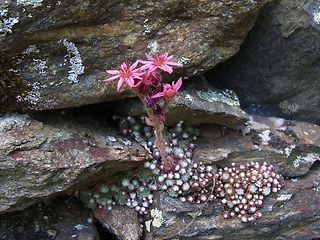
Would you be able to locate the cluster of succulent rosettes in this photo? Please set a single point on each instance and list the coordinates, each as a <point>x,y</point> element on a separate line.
<point>178,139</point>
<point>243,188</point>
<point>187,180</point>
<point>134,189</point>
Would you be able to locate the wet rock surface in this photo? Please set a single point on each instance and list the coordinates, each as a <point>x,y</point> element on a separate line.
<point>41,159</point>
<point>63,54</point>
<point>276,71</point>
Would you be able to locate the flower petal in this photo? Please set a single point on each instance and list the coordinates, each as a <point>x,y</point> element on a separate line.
<point>130,81</point>
<point>168,58</point>
<point>146,65</point>
<point>123,66</point>
<point>160,94</point>
<point>166,68</point>
<point>133,66</point>
<point>119,83</point>
<point>113,71</point>
<point>152,68</point>
<point>112,78</point>
<point>177,85</point>
<point>174,64</point>
<point>150,58</point>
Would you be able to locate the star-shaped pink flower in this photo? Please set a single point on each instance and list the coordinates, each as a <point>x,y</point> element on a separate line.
<point>125,74</point>
<point>159,61</point>
<point>169,91</point>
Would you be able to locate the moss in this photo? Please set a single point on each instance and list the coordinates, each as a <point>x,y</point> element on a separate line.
<point>11,86</point>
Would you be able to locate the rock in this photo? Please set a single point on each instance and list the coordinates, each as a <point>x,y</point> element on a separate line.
<point>198,103</point>
<point>290,146</point>
<point>62,55</point>
<point>42,159</point>
<point>121,221</point>
<point>276,71</point>
<point>61,218</point>
<point>292,213</point>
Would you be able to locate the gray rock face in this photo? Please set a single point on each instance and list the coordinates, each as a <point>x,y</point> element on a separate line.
<point>278,64</point>
<point>63,47</point>
<point>44,159</point>
<point>198,103</point>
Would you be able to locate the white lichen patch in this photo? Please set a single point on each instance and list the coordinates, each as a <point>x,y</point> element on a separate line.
<point>227,97</point>
<point>3,12</point>
<point>265,137</point>
<point>184,60</point>
<point>31,49</point>
<point>316,17</point>
<point>76,67</point>
<point>156,218</point>
<point>146,26</point>
<point>33,96</point>
<point>126,142</point>
<point>40,66</point>
<point>80,227</point>
<point>284,197</point>
<point>6,26</point>
<point>305,160</point>
<point>153,47</point>
<point>197,70</point>
<point>112,139</point>
<point>33,3</point>
<point>189,97</point>
<point>317,188</point>
<point>288,150</point>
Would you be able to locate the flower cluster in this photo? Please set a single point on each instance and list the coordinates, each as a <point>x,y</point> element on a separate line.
<point>147,84</point>
<point>156,96</point>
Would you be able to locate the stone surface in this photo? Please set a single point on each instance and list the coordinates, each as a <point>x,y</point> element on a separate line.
<point>291,146</point>
<point>276,71</point>
<point>42,159</point>
<point>62,55</point>
<point>292,213</point>
<point>60,219</point>
<point>198,103</point>
<point>121,221</point>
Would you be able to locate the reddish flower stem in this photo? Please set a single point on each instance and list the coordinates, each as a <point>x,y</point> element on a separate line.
<point>158,127</point>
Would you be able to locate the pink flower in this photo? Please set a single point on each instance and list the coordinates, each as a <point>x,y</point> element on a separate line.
<point>169,91</point>
<point>125,74</point>
<point>143,76</point>
<point>159,61</point>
